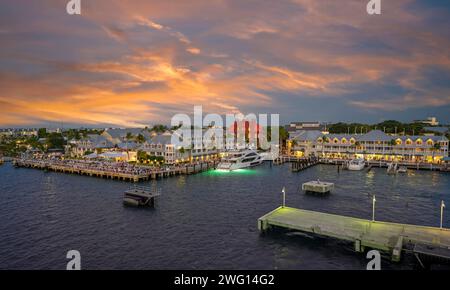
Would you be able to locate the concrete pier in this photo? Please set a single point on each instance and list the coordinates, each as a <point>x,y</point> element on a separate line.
<point>383,236</point>
<point>317,187</point>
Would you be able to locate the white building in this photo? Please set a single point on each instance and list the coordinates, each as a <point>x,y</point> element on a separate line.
<point>374,145</point>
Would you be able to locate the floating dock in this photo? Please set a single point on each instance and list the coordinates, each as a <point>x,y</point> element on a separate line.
<point>317,187</point>
<point>140,196</point>
<point>383,236</point>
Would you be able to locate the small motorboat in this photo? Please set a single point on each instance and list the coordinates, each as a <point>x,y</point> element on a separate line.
<point>402,169</point>
<point>356,164</point>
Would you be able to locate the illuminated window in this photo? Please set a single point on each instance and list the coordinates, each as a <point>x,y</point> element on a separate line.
<point>344,141</point>
<point>335,140</point>
<point>352,141</point>
<point>398,142</point>
<point>419,142</point>
<point>408,142</point>
<point>430,142</point>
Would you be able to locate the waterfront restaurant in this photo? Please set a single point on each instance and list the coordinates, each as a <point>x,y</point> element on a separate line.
<point>374,145</point>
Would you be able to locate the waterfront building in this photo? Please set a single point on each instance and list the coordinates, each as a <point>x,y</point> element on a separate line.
<point>432,121</point>
<point>118,136</point>
<point>19,132</point>
<point>91,143</point>
<point>439,130</point>
<point>374,145</point>
<point>161,145</point>
<point>306,126</point>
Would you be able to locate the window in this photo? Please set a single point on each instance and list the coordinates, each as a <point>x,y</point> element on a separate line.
<point>419,142</point>
<point>430,142</point>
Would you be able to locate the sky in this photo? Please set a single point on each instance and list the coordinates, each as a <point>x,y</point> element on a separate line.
<point>139,62</point>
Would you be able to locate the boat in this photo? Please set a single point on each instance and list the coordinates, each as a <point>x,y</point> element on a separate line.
<point>402,169</point>
<point>356,164</point>
<point>140,196</point>
<point>240,159</point>
<point>392,168</point>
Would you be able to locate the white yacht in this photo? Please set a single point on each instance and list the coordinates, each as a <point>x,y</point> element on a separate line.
<point>356,164</point>
<point>240,159</point>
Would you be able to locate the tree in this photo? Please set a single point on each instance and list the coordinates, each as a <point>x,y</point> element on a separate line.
<point>159,128</point>
<point>42,133</point>
<point>129,136</point>
<point>283,134</point>
<point>140,138</point>
<point>55,141</point>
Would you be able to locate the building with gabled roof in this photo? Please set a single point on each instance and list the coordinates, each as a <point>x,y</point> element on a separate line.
<point>372,145</point>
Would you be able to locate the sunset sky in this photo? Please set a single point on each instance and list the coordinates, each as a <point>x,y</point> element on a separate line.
<point>139,62</point>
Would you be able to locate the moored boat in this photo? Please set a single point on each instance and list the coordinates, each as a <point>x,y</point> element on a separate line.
<point>240,159</point>
<point>356,164</point>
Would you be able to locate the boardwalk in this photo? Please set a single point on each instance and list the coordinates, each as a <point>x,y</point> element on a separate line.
<point>384,236</point>
<point>112,170</point>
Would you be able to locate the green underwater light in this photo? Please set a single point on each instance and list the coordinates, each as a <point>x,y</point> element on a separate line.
<point>231,172</point>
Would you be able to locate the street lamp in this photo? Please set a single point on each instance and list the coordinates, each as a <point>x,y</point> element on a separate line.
<point>373,207</point>
<point>442,211</point>
<point>284,196</point>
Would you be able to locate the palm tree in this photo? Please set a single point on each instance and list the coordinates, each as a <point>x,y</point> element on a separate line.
<point>436,147</point>
<point>140,138</point>
<point>128,137</point>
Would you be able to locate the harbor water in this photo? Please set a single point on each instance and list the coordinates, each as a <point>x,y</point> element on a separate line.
<point>203,221</point>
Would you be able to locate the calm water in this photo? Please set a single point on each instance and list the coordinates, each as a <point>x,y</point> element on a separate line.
<point>204,221</point>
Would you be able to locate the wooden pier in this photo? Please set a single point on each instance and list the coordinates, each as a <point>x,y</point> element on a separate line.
<point>303,163</point>
<point>384,164</point>
<point>130,177</point>
<point>383,236</point>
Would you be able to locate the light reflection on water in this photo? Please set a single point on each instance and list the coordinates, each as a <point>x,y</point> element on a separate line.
<point>203,221</point>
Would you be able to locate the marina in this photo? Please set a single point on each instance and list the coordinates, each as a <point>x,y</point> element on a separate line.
<point>198,219</point>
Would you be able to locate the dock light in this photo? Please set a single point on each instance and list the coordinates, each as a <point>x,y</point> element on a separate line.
<point>373,208</point>
<point>442,211</point>
<point>284,196</point>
